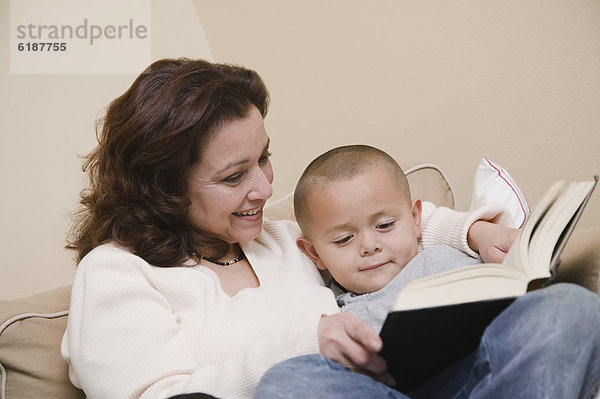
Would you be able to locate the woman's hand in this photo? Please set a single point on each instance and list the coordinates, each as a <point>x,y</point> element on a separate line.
<point>351,342</point>
<point>491,240</point>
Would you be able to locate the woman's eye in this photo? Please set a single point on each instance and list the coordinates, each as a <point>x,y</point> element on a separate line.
<point>265,158</point>
<point>343,240</point>
<point>234,178</point>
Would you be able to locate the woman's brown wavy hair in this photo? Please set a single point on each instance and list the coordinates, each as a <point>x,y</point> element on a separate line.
<point>148,141</point>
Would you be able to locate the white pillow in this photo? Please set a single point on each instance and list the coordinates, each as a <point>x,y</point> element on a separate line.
<point>492,183</point>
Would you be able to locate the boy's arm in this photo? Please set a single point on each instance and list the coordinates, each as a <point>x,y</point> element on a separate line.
<point>444,226</point>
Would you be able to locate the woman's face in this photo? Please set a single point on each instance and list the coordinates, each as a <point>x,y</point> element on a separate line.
<point>229,187</point>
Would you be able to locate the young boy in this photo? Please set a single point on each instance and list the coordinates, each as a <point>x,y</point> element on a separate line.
<point>360,224</point>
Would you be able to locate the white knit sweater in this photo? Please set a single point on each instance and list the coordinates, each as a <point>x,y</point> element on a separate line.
<point>140,331</point>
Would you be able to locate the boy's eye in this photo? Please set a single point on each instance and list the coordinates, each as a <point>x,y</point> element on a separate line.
<point>263,160</point>
<point>386,225</point>
<point>343,240</point>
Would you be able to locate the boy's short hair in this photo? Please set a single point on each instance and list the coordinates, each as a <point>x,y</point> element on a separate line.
<point>340,164</point>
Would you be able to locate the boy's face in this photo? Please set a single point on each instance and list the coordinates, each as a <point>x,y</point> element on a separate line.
<point>363,230</point>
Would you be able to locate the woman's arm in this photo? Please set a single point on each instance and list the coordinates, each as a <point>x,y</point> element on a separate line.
<point>491,240</point>
<point>133,333</point>
<point>484,232</point>
<point>353,343</point>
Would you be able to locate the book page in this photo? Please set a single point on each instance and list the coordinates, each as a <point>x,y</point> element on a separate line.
<point>467,284</point>
<point>555,228</point>
<point>518,255</point>
<point>566,234</point>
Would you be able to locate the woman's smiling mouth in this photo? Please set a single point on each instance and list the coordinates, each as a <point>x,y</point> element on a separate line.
<point>251,212</point>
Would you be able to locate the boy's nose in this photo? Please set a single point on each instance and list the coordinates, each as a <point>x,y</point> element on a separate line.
<point>369,246</point>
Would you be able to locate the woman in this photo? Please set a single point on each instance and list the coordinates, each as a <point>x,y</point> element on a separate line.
<point>180,286</point>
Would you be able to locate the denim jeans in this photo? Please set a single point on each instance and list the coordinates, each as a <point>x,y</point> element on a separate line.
<point>545,345</point>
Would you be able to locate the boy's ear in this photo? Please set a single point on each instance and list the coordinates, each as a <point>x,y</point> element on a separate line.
<point>417,207</point>
<point>309,250</point>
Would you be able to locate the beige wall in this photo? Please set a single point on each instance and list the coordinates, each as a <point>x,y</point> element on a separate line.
<point>444,82</point>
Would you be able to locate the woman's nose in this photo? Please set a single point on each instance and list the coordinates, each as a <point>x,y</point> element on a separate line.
<point>261,186</point>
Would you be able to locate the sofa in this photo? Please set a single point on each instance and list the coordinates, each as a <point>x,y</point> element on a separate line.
<point>31,327</point>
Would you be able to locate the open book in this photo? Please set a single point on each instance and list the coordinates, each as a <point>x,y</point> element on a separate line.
<point>437,320</point>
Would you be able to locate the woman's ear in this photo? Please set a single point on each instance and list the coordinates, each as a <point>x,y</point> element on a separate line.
<point>309,250</point>
<point>417,208</point>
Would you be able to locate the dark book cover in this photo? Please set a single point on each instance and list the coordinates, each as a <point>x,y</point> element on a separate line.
<point>420,343</point>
